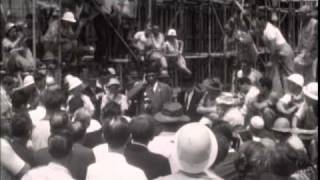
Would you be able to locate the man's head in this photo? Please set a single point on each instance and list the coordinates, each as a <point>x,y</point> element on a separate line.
<point>246,67</point>
<point>152,75</point>
<point>142,128</point>
<point>68,19</point>
<point>310,92</point>
<point>83,115</point>
<point>40,80</point>
<point>262,19</point>
<point>11,31</point>
<point>53,99</point>
<point>78,130</point>
<point>155,30</point>
<point>8,83</point>
<point>113,85</point>
<point>19,99</point>
<point>60,144</point>
<point>244,85</point>
<point>21,126</point>
<point>59,122</point>
<point>116,133</point>
<point>295,83</point>
<point>265,85</point>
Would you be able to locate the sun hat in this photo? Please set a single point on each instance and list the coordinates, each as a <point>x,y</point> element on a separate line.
<point>9,26</point>
<point>113,81</point>
<point>69,17</point>
<point>281,125</point>
<point>296,79</point>
<point>172,32</point>
<point>257,122</point>
<point>27,81</point>
<point>73,82</point>
<point>171,112</point>
<point>311,90</point>
<point>196,148</point>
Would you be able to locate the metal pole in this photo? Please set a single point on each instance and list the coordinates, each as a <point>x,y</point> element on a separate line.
<point>34,34</point>
<point>150,11</point>
<point>59,73</point>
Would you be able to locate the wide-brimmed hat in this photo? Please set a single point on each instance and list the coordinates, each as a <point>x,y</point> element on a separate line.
<point>196,148</point>
<point>171,112</point>
<point>281,125</point>
<point>311,90</point>
<point>73,82</point>
<point>212,84</point>
<point>69,17</point>
<point>9,26</point>
<point>113,81</point>
<point>172,33</point>
<point>27,82</point>
<point>296,79</point>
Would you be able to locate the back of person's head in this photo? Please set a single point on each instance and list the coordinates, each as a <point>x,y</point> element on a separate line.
<point>19,99</point>
<point>251,159</point>
<point>78,131</point>
<point>111,109</point>
<point>142,128</point>
<point>116,133</point>
<point>75,103</point>
<point>223,128</point>
<point>60,144</point>
<point>59,121</point>
<point>244,81</point>
<point>266,82</point>
<point>21,125</point>
<point>53,99</point>
<point>83,115</point>
<point>40,80</point>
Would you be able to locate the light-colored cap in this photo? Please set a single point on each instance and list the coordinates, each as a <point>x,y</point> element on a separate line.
<point>196,148</point>
<point>311,90</point>
<point>113,81</point>
<point>297,79</point>
<point>69,17</point>
<point>172,32</point>
<point>257,122</point>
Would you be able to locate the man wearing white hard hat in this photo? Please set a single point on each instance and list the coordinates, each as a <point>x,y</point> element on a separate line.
<point>255,130</point>
<point>173,49</point>
<point>307,48</point>
<point>196,149</point>
<point>292,100</point>
<point>306,117</point>
<point>67,39</point>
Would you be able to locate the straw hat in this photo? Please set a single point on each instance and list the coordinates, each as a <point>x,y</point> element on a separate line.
<point>311,90</point>
<point>73,82</point>
<point>69,17</point>
<point>171,112</point>
<point>172,32</point>
<point>196,148</point>
<point>296,79</point>
<point>281,125</point>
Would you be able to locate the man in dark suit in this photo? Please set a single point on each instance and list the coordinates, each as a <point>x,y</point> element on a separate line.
<point>190,97</point>
<point>137,153</point>
<point>157,92</point>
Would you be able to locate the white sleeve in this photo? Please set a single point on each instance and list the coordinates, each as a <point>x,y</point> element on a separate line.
<point>9,159</point>
<point>88,104</point>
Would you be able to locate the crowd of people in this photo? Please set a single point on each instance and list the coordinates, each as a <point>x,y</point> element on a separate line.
<point>140,127</point>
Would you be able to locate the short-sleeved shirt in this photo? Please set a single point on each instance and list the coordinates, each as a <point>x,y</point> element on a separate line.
<point>249,99</point>
<point>143,42</point>
<point>307,118</point>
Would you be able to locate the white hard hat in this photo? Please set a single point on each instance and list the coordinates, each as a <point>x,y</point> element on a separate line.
<point>257,122</point>
<point>8,27</point>
<point>113,81</point>
<point>196,148</point>
<point>172,32</point>
<point>311,90</point>
<point>297,79</point>
<point>27,81</point>
<point>50,80</point>
<point>69,16</point>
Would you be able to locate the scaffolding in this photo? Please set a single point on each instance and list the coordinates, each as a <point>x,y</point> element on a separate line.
<point>198,23</point>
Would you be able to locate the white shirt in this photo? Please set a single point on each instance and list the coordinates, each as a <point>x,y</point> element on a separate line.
<point>37,114</point>
<point>40,135</point>
<point>94,126</point>
<point>114,167</point>
<point>52,171</point>
<point>142,41</point>
<point>273,37</point>
<point>100,151</point>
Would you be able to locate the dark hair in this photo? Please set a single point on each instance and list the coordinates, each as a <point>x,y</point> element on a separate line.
<point>223,128</point>
<point>78,131</point>
<point>223,148</point>
<point>60,144</point>
<point>251,158</point>
<point>39,76</point>
<point>244,80</point>
<point>75,103</point>
<point>21,125</point>
<point>111,109</point>
<point>83,116</point>
<point>53,99</point>
<point>142,128</point>
<point>266,82</point>
<point>116,132</point>
<point>7,80</point>
<point>59,121</point>
<point>19,98</point>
